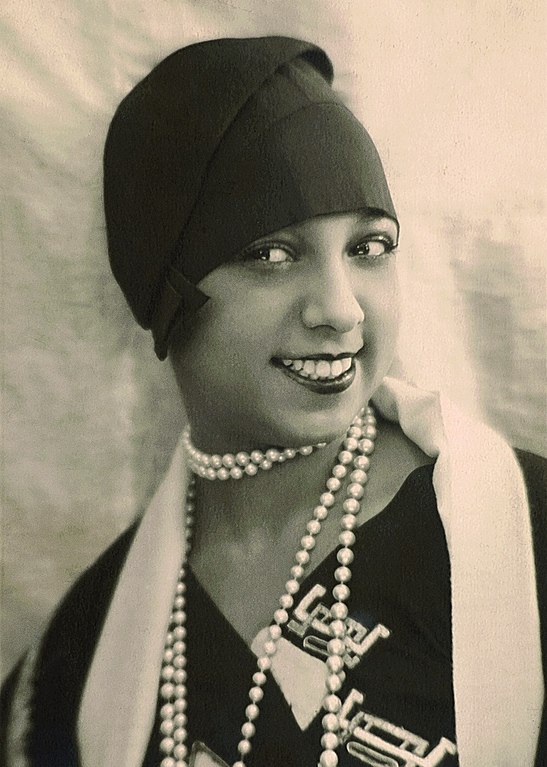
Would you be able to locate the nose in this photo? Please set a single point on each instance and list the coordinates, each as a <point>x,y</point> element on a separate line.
<point>332,300</point>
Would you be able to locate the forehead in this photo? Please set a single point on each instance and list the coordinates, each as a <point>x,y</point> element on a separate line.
<point>338,224</point>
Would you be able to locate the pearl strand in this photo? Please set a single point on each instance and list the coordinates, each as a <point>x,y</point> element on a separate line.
<point>230,466</point>
<point>360,438</point>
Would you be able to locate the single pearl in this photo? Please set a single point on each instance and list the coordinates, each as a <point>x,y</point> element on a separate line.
<point>167,711</point>
<point>355,490</point>
<point>351,444</point>
<point>345,457</point>
<point>366,446</point>
<point>347,538</point>
<point>351,506</point>
<point>341,592</point>
<point>314,527</point>
<point>320,512</point>
<point>248,730</point>
<point>281,617</point>
<point>358,475</point>
<point>334,683</point>
<point>273,455</point>
<point>180,751</point>
<point>339,471</point>
<point>339,611</point>
<point>328,759</point>
<point>333,484</point>
<point>257,456</point>
<point>348,522</point>
<point>342,574</point>
<point>286,601</point>
<point>244,747</point>
<point>259,678</point>
<point>302,557</point>
<point>251,469</point>
<point>335,663</point>
<point>336,647</point>
<point>337,628</point>
<point>256,694</point>
<point>292,586</point>
<point>167,745</point>
<point>332,704</point>
<point>326,499</point>
<point>236,472</point>
<point>330,741</point>
<point>330,722</point>
<point>252,711</point>
<point>243,459</point>
<point>167,727</point>
<point>345,556</point>
<point>307,542</point>
<point>361,462</point>
<point>228,460</point>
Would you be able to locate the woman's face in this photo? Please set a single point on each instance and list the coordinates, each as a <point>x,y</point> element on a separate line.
<point>298,333</point>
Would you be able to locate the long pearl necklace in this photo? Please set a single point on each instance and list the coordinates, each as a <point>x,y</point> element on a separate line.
<point>354,457</point>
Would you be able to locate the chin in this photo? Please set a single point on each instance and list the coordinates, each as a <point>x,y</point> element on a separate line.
<point>297,428</point>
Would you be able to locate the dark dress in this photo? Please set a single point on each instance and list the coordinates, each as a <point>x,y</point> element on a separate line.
<point>398,685</point>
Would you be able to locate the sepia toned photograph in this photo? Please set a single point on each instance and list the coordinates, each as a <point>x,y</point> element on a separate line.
<point>274,404</point>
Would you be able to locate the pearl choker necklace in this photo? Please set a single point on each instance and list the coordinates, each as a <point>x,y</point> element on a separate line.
<point>353,457</point>
<point>230,466</point>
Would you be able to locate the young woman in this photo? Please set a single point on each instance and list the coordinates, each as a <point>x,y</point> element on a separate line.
<point>338,568</point>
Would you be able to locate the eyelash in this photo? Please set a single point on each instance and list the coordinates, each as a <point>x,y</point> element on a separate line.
<point>253,254</point>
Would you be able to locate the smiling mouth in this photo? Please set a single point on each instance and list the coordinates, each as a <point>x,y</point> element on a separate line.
<point>322,375</point>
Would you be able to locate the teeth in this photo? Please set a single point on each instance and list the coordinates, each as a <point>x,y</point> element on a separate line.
<point>336,368</point>
<point>322,368</point>
<point>319,369</point>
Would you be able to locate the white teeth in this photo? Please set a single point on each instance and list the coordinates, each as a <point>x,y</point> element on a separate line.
<point>322,368</point>
<point>319,369</point>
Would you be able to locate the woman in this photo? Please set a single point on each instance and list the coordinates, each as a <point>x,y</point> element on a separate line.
<point>274,605</point>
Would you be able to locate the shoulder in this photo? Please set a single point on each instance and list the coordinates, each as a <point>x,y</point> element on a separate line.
<point>40,698</point>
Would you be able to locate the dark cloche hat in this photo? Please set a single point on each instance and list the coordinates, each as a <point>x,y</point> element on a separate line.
<point>222,143</point>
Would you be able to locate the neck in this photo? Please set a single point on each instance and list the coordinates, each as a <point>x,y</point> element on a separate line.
<point>238,508</point>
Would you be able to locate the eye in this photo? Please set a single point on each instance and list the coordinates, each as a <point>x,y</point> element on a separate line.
<point>267,254</point>
<point>373,249</point>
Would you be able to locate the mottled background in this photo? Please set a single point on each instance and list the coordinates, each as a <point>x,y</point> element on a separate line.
<point>453,94</point>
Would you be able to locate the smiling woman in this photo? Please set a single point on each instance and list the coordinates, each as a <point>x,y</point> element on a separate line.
<point>308,289</point>
<point>317,580</point>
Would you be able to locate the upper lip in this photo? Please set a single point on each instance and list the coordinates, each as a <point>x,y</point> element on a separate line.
<point>319,356</point>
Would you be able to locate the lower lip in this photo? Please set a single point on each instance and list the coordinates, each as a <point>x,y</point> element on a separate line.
<point>328,386</point>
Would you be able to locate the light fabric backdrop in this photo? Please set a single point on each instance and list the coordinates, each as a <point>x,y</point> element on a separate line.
<point>454,96</point>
